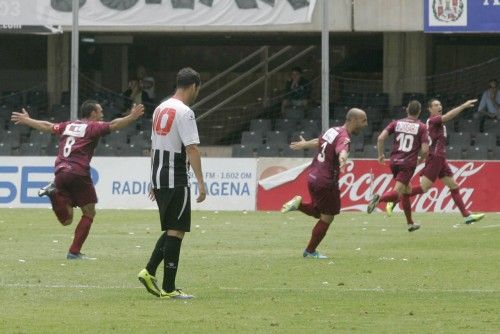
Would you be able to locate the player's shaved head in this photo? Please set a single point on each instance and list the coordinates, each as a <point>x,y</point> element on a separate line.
<point>354,113</point>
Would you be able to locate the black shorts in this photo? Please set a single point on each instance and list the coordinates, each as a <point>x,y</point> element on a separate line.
<point>174,205</point>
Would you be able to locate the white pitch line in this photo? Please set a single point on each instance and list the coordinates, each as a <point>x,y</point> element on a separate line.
<point>490,226</point>
<point>322,288</point>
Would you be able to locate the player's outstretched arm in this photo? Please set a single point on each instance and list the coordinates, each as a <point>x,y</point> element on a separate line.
<point>424,152</point>
<point>304,144</point>
<point>119,123</point>
<point>24,118</point>
<point>454,112</point>
<point>194,158</point>
<point>343,160</point>
<point>380,145</point>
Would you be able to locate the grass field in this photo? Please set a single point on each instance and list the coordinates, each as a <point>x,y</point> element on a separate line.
<point>248,275</point>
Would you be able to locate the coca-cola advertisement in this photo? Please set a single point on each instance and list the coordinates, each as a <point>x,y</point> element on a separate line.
<point>479,183</point>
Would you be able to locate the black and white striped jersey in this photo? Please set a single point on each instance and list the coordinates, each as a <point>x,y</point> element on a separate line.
<point>174,128</point>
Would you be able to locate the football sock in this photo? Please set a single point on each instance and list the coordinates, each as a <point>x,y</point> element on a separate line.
<point>60,206</point>
<point>416,191</point>
<point>171,251</point>
<point>318,233</point>
<point>157,255</point>
<point>81,233</point>
<point>455,194</point>
<point>309,210</point>
<point>405,203</point>
<point>390,196</point>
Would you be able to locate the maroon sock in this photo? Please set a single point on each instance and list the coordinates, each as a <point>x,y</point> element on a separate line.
<point>455,194</point>
<point>416,191</point>
<point>405,203</point>
<point>318,233</point>
<point>309,210</point>
<point>60,207</point>
<point>81,233</point>
<point>390,196</point>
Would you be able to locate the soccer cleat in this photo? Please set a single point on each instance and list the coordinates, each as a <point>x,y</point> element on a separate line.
<point>314,255</point>
<point>176,294</point>
<point>47,190</point>
<point>79,256</point>
<point>149,282</point>
<point>412,227</point>
<point>470,219</point>
<point>292,204</point>
<point>373,203</point>
<point>389,207</point>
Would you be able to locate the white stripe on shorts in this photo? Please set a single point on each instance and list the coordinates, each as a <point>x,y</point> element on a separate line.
<point>183,204</point>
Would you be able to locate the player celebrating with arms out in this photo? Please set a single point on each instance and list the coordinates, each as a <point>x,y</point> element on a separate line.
<point>72,185</point>
<point>323,178</point>
<point>436,164</point>
<point>410,138</point>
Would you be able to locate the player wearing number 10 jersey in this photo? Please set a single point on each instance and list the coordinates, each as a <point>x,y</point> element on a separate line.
<point>72,186</point>
<point>323,178</point>
<point>410,139</point>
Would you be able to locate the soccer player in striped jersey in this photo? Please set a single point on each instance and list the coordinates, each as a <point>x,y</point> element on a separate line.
<point>174,147</point>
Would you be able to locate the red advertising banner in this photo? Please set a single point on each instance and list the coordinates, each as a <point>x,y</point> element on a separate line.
<point>479,183</point>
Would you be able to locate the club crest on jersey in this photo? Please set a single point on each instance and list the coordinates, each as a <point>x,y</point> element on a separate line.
<point>447,10</point>
<point>330,135</point>
<point>75,130</point>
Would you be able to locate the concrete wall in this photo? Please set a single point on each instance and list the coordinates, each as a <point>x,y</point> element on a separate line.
<point>388,15</point>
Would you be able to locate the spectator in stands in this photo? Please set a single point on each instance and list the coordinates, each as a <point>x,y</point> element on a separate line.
<point>297,91</point>
<point>148,82</point>
<point>136,95</point>
<point>489,106</point>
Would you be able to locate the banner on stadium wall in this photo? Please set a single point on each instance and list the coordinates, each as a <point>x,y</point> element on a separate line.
<point>462,15</point>
<point>230,183</point>
<point>157,12</point>
<point>479,181</point>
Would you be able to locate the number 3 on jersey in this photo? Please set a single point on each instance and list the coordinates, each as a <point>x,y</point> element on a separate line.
<point>405,142</point>
<point>162,124</point>
<point>321,155</point>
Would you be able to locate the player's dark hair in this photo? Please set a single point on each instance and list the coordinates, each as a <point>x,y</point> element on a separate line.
<point>297,69</point>
<point>87,107</point>
<point>186,77</point>
<point>430,102</point>
<point>494,80</point>
<point>414,108</point>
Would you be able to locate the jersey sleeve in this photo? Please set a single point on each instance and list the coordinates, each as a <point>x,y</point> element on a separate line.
<point>435,121</point>
<point>424,133</point>
<point>343,144</point>
<point>390,128</point>
<point>99,129</point>
<point>58,128</point>
<point>188,130</point>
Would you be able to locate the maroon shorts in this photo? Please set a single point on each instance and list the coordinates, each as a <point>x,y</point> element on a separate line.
<point>325,196</point>
<point>402,174</point>
<point>78,189</point>
<point>436,167</point>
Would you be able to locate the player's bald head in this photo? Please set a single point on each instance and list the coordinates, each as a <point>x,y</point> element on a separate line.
<point>354,113</point>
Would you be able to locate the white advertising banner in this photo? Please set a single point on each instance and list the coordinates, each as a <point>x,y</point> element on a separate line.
<point>157,12</point>
<point>123,183</point>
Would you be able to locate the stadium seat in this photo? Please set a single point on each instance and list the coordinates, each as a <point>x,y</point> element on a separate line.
<point>370,152</point>
<point>251,138</point>
<point>52,149</point>
<point>477,153</point>
<point>42,138</point>
<point>37,98</point>
<point>12,99</point>
<point>131,150</point>
<point>485,140</point>
<point>380,100</point>
<point>104,150</point>
<point>260,124</point>
<point>495,153</point>
<point>285,124</point>
<point>12,137</point>
<point>296,136</point>
<point>288,152</point>
<point>460,139</point>
<point>30,149</point>
<point>117,139</point>
<point>454,152</point>
<point>492,126</point>
<point>5,149</point>
<point>268,151</point>
<point>310,125</point>
<point>274,138</point>
<point>294,113</point>
<point>468,125</point>
<point>243,151</point>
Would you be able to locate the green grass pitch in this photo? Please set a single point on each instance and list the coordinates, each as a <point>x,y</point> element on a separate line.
<point>248,275</point>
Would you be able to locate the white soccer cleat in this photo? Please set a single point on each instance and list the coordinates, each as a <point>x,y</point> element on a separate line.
<point>292,204</point>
